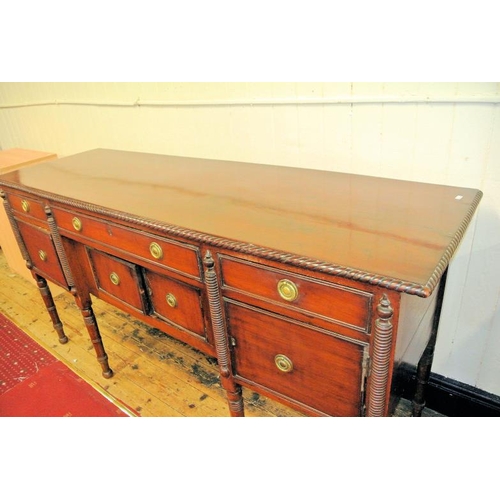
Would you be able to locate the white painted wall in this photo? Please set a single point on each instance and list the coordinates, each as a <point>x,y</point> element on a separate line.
<point>447,133</point>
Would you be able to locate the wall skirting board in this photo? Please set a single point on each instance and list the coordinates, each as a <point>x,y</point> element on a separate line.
<point>452,398</point>
<point>455,399</point>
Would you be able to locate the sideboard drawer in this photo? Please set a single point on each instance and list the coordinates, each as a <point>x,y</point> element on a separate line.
<point>160,251</point>
<point>303,364</point>
<point>42,252</point>
<point>27,206</point>
<point>118,278</point>
<point>175,302</point>
<point>329,301</point>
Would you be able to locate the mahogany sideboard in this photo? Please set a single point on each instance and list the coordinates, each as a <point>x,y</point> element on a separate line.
<point>315,288</point>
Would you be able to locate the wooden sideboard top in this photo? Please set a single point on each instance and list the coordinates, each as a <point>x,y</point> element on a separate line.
<point>397,234</point>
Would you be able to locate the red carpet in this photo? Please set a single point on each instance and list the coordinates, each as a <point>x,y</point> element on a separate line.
<point>33,383</point>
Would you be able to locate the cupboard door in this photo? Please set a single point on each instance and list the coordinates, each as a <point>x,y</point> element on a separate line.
<point>118,278</point>
<point>303,364</point>
<point>175,302</point>
<point>42,253</point>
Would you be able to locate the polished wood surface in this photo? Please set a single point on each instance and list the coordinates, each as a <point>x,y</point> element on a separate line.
<point>385,227</point>
<point>216,255</point>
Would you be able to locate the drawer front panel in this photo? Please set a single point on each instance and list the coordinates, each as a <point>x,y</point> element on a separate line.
<point>42,252</point>
<point>305,365</point>
<point>118,278</point>
<point>160,251</point>
<point>328,301</point>
<point>176,302</point>
<point>27,206</point>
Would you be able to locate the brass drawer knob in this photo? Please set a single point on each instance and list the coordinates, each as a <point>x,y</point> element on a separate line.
<point>156,250</point>
<point>283,363</point>
<point>115,279</point>
<point>42,255</point>
<point>77,224</point>
<point>25,205</point>
<point>171,300</point>
<point>288,290</point>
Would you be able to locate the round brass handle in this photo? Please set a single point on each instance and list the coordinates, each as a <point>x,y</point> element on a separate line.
<point>42,255</point>
<point>156,250</point>
<point>171,300</point>
<point>77,224</point>
<point>288,290</point>
<point>283,363</point>
<point>25,205</point>
<point>115,279</point>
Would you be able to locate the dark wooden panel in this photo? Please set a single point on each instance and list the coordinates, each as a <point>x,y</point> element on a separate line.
<point>176,302</point>
<point>326,373</point>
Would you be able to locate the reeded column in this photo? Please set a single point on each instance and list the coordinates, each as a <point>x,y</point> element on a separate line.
<point>233,390</point>
<point>381,356</point>
<point>56,238</point>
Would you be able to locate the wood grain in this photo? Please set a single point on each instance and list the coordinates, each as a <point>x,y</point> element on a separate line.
<point>38,240</point>
<point>332,302</point>
<point>384,227</point>
<point>324,372</point>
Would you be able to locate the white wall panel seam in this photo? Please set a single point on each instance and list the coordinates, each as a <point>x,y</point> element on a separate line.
<point>382,99</point>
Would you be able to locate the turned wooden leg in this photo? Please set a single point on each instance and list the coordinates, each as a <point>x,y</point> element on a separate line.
<point>85,305</point>
<point>423,373</point>
<point>425,364</point>
<point>234,396</point>
<point>44,289</point>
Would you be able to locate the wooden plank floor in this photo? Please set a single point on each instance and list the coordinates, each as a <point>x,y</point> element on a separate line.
<point>155,375</point>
